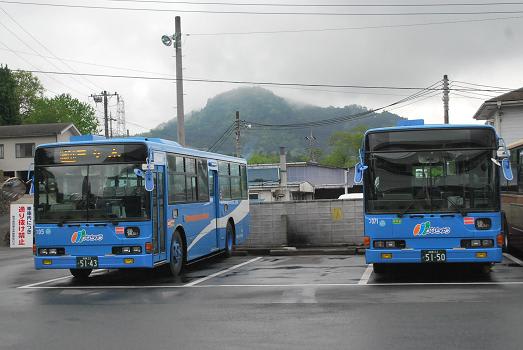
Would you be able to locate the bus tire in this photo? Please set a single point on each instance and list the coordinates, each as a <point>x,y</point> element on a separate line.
<point>229,239</point>
<point>80,274</point>
<point>379,268</point>
<point>178,255</point>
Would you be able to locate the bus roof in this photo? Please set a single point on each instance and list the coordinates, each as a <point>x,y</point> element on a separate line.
<point>153,143</point>
<point>431,126</point>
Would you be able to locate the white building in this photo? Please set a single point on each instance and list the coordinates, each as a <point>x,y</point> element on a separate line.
<point>505,113</point>
<point>18,143</point>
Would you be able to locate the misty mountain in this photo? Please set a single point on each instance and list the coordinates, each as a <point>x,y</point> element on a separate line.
<point>257,105</point>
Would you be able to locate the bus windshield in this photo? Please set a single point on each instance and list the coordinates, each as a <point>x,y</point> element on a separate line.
<point>90,183</point>
<point>431,181</point>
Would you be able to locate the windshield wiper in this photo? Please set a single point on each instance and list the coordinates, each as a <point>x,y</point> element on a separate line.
<point>456,206</point>
<point>404,211</point>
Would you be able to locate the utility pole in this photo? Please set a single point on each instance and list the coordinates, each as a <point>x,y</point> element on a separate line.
<point>179,80</point>
<point>446,99</point>
<point>103,97</point>
<point>312,140</point>
<point>106,117</point>
<point>237,134</point>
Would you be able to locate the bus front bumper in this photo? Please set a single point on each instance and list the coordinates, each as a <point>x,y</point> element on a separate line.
<point>104,262</point>
<point>394,256</point>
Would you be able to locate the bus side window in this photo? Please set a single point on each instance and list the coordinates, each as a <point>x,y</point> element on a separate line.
<point>203,180</point>
<point>211,184</point>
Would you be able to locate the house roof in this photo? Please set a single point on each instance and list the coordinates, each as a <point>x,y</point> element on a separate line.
<point>489,107</point>
<point>35,130</point>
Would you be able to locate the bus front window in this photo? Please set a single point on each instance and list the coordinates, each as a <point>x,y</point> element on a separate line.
<point>433,181</point>
<point>90,193</point>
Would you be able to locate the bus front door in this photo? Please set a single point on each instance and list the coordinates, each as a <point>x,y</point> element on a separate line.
<point>158,214</point>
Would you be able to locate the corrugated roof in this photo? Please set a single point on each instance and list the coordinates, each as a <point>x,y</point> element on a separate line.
<point>516,95</point>
<point>36,130</point>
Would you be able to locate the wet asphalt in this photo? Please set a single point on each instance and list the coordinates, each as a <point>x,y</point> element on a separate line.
<point>288,302</point>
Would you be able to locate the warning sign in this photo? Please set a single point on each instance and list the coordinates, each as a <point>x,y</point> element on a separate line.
<point>337,214</point>
<point>21,223</point>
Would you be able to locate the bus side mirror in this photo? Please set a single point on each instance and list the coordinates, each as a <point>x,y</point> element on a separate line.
<point>14,188</point>
<point>507,170</point>
<point>149,181</point>
<point>358,173</point>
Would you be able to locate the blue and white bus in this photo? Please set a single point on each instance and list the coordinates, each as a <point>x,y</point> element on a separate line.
<point>135,203</point>
<point>432,194</point>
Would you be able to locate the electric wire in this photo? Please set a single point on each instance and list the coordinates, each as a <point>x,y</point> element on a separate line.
<point>246,82</point>
<point>219,141</point>
<point>345,118</point>
<point>48,50</point>
<point>356,28</point>
<point>337,14</point>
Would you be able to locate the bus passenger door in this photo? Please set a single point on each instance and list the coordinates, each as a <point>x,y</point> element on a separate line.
<point>215,191</point>
<point>158,214</point>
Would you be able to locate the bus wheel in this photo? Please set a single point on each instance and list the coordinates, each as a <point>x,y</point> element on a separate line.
<point>229,239</point>
<point>379,268</point>
<point>178,258</point>
<point>81,274</point>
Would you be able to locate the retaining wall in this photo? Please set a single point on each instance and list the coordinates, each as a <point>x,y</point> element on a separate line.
<point>305,223</point>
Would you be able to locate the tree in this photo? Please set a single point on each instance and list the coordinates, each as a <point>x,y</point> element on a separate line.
<point>64,109</point>
<point>29,89</point>
<point>345,145</point>
<point>9,101</point>
<point>263,158</point>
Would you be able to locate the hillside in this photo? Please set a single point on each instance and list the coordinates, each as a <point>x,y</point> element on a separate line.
<point>259,105</point>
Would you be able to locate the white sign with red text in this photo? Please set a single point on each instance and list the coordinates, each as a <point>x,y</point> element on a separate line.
<point>21,223</point>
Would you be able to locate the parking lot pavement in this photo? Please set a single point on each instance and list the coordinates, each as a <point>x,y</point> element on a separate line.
<point>291,302</point>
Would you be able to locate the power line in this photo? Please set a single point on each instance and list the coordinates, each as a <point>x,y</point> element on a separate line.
<point>45,48</point>
<point>221,139</point>
<point>345,118</point>
<point>33,65</point>
<point>489,86</point>
<point>314,5</point>
<point>355,28</point>
<point>337,14</point>
<point>246,82</point>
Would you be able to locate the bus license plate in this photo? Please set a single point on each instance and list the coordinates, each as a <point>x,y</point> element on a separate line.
<point>434,256</point>
<point>87,262</point>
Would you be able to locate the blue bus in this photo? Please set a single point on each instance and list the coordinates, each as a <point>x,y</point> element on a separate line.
<point>135,203</point>
<point>432,194</point>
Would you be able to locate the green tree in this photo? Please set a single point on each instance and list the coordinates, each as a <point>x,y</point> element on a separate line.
<point>29,89</point>
<point>345,145</point>
<point>64,109</point>
<point>9,101</point>
<point>263,158</point>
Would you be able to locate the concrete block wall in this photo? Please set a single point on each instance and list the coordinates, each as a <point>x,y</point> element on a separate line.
<point>306,223</point>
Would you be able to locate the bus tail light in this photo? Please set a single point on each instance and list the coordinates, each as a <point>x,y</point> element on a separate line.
<point>500,240</point>
<point>34,249</point>
<point>366,242</point>
<point>148,247</point>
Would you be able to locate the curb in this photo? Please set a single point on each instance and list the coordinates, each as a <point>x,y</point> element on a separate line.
<point>293,251</point>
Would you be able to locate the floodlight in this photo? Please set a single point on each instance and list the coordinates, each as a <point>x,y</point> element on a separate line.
<point>167,40</point>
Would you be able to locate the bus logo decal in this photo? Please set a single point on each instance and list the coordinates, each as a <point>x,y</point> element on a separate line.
<point>425,228</point>
<point>82,236</point>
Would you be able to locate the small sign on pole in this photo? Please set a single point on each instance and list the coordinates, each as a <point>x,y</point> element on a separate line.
<point>21,223</point>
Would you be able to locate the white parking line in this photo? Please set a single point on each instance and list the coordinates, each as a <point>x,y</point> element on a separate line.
<point>514,259</point>
<point>366,275</point>
<point>193,283</point>
<point>32,285</point>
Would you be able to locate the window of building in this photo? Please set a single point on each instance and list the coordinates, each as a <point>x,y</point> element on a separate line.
<point>25,150</point>
<point>1,151</point>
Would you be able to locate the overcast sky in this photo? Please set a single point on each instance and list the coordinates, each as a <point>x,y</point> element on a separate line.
<point>481,52</point>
